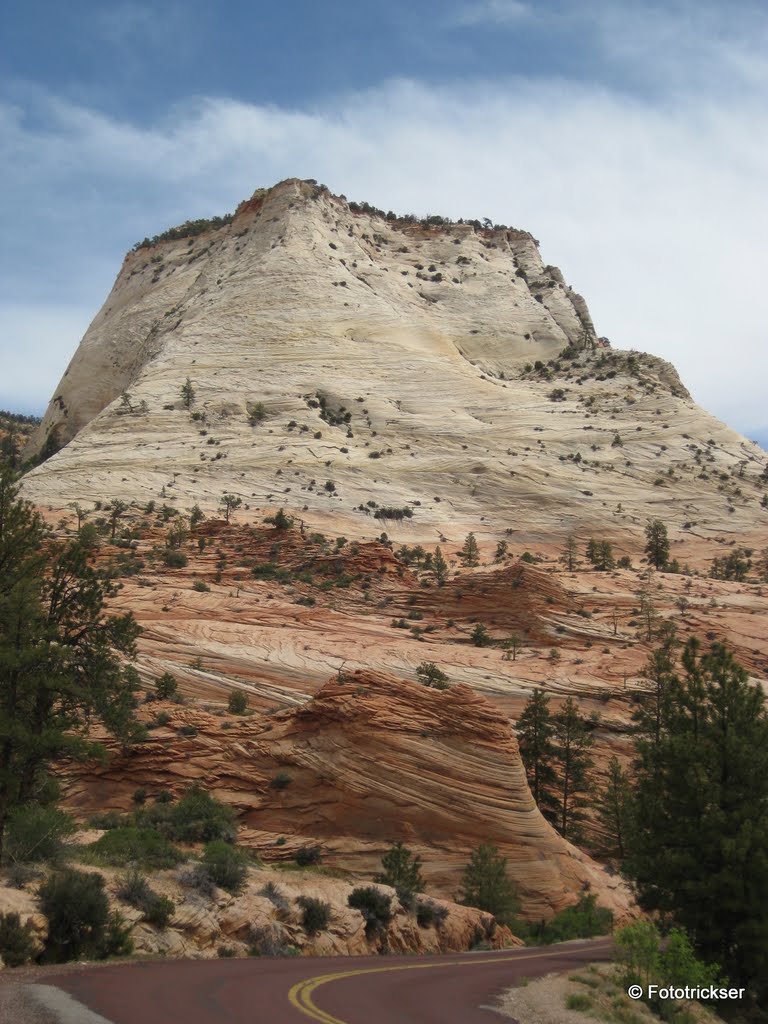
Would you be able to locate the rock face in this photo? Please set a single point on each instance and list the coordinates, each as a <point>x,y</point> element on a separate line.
<point>266,916</point>
<point>338,359</point>
<point>369,761</point>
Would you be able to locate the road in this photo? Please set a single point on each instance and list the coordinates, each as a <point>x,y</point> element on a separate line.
<point>356,990</point>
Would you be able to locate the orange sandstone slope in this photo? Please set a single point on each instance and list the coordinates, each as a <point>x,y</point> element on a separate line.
<point>369,761</point>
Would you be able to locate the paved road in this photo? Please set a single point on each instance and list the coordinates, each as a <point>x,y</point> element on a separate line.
<point>356,990</point>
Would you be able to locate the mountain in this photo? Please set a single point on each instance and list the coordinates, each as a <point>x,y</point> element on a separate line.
<point>392,384</point>
<point>342,362</point>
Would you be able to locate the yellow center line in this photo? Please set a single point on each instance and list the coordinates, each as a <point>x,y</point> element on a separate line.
<point>302,992</point>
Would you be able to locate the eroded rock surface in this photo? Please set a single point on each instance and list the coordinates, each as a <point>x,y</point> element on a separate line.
<point>369,761</point>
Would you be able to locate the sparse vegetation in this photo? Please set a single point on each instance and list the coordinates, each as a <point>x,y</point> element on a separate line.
<point>189,229</point>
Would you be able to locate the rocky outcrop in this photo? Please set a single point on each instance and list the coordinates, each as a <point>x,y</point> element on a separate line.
<point>371,760</point>
<point>265,918</point>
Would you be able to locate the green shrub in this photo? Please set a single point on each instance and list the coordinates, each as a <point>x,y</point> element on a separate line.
<point>117,939</point>
<point>280,780</point>
<point>37,834</point>
<point>174,558</point>
<point>430,913</point>
<point>79,922</point>
<point>16,943</point>
<point>257,413</point>
<point>108,820</point>
<point>280,520</point>
<point>134,889</point>
<point>275,896</point>
<point>583,920</point>
<point>160,911</point>
<point>642,960</point>
<point>225,865</point>
<point>196,818</point>
<point>132,845</point>
<point>201,586</point>
<point>374,905</point>
<point>308,856</point>
<point>480,636</point>
<point>237,703</point>
<point>316,914</point>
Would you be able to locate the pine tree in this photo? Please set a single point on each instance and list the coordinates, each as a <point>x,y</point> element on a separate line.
<point>187,393</point>
<point>10,452</point>
<point>698,851</point>
<point>511,646</point>
<point>572,742</point>
<point>60,655</point>
<point>486,885</point>
<point>470,553</point>
<point>569,554</point>
<point>651,703</point>
<point>116,512</point>
<point>402,870</point>
<point>166,687</point>
<point>534,736</point>
<point>440,566</point>
<point>657,543</point>
<point>430,675</point>
<point>480,636</point>
<point>613,808</point>
<point>646,597</point>
<point>196,516</point>
<point>228,503</point>
<point>81,515</point>
<point>600,554</point>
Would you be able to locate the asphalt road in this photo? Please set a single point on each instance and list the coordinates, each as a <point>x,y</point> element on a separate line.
<point>355,990</point>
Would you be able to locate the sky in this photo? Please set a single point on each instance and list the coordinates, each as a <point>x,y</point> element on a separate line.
<point>628,136</point>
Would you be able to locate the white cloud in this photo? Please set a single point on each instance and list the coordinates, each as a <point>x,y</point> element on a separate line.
<point>654,210</point>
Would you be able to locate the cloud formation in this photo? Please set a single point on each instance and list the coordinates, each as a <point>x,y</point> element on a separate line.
<point>654,208</point>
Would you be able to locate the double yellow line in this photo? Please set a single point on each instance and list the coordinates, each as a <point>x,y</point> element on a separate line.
<point>301,995</point>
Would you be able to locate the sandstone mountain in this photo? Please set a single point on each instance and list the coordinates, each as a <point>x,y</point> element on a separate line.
<point>344,362</point>
<point>392,385</point>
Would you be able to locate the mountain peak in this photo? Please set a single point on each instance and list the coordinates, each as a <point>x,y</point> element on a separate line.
<point>345,360</point>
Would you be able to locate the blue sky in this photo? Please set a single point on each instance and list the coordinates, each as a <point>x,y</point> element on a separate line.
<point>628,136</point>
